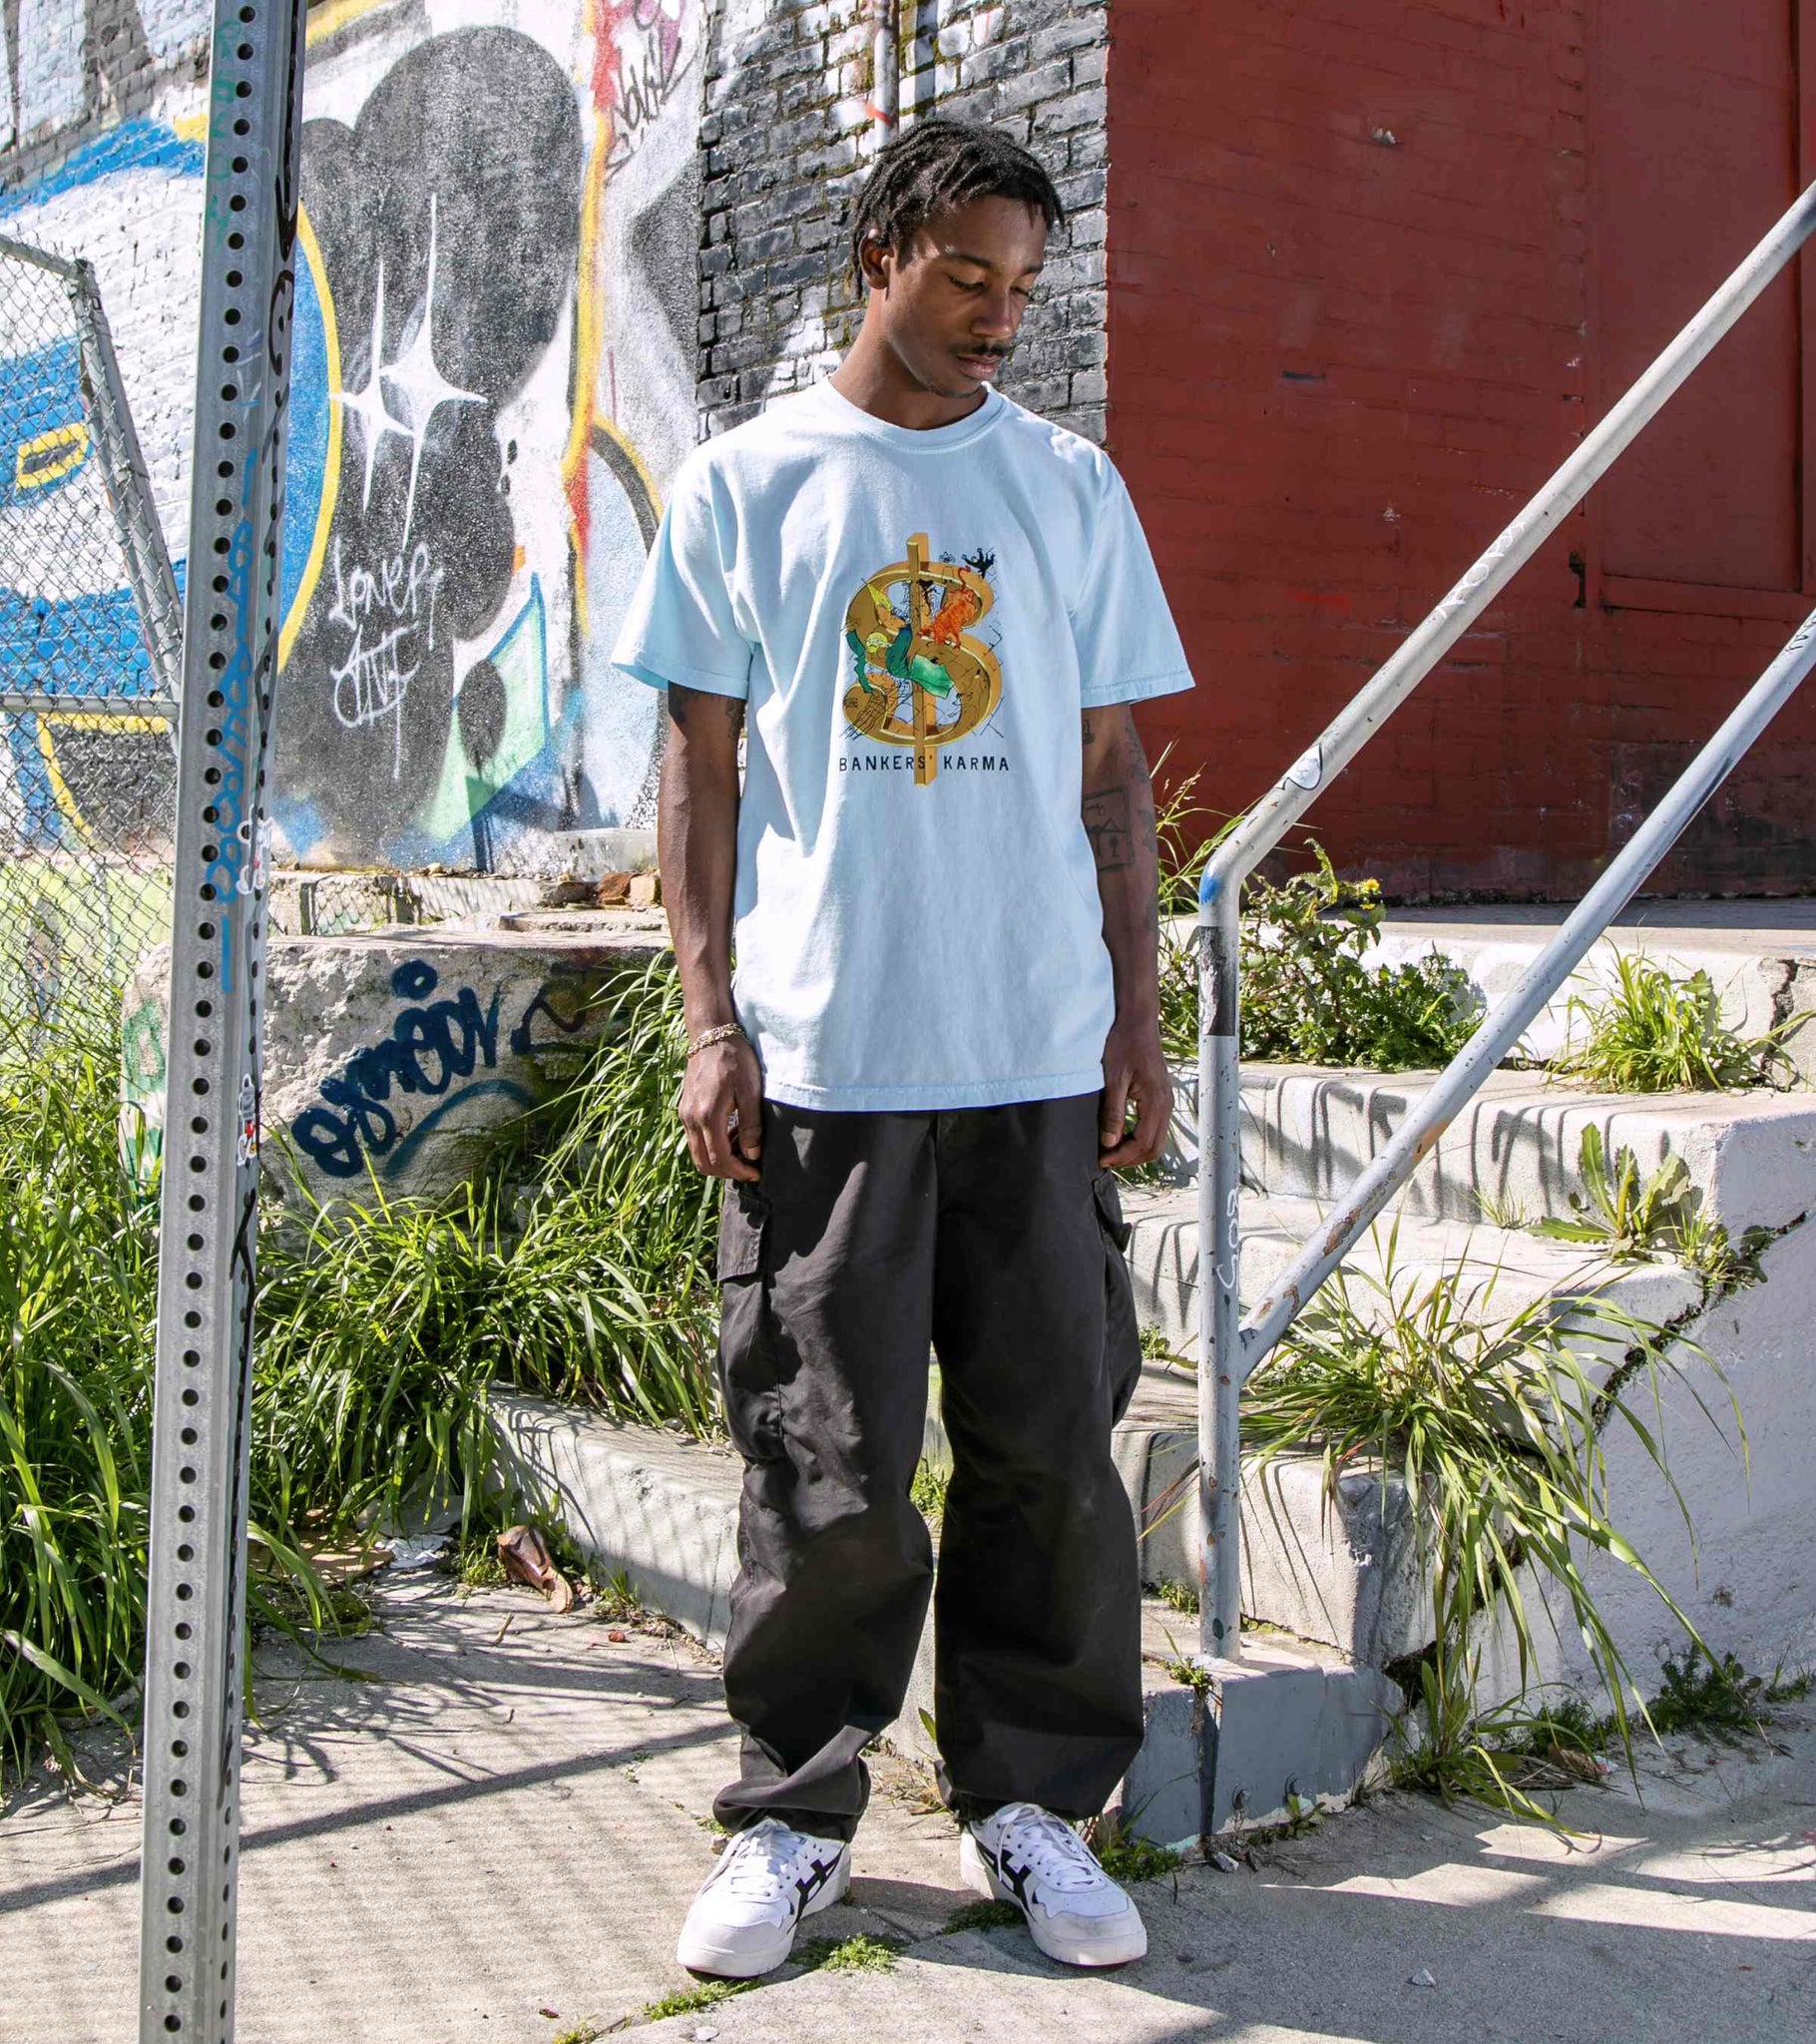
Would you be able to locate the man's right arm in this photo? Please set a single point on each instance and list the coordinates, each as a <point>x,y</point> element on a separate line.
<point>696,847</point>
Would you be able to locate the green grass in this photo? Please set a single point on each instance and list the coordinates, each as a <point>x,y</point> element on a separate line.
<point>78,1278</point>
<point>1653,1032</point>
<point>928,1493</point>
<point>578,1264</point>
<point>1180,1596</point>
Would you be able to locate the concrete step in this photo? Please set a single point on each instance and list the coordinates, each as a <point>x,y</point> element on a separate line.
<point>1502,1271</point>
<point>1223,1740</point>
<point>1760,957</point>
<point>1308,1130</point>
<point>1341,1567</point>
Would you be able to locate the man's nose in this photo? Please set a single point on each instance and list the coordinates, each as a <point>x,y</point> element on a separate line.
<point>998,316</point>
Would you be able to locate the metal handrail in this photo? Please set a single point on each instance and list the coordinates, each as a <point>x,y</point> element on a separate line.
<point>1231,1349</point>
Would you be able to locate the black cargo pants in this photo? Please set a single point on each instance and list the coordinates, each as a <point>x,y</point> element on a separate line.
<point>990,1234</point>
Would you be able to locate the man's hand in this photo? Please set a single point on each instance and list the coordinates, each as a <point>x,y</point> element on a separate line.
<point>722,1108</point>
<point>1134,1074</point>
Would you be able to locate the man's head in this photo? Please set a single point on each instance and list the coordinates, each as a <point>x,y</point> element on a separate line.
<point>949,235</point>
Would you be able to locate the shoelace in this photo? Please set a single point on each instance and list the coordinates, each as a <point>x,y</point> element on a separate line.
<point>756,1866</point>
<point>1054,1850</point>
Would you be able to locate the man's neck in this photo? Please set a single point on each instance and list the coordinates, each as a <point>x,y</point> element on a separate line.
<point>873,377</point>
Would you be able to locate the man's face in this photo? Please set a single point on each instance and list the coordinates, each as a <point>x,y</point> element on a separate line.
<point>950,304</point>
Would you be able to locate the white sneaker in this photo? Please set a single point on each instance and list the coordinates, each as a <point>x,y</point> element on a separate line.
<point>1075,1913</point>
<point>742,1922</point>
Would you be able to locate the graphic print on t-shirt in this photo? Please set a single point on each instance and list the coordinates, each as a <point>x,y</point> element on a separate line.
<point>922,680</point>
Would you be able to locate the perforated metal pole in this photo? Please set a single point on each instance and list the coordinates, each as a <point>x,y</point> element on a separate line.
<point>196,1601</point>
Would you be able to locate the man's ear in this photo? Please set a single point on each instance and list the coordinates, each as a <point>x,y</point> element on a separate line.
<point>875,256</point>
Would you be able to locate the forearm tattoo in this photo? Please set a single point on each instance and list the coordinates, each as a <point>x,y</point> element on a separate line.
<point>685,702</point>
<point>1106,824</point>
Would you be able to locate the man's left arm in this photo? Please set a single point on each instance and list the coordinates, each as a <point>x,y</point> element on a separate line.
<point>1119,822</point>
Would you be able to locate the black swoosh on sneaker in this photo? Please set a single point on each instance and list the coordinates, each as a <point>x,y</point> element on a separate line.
<point>820,1872</point>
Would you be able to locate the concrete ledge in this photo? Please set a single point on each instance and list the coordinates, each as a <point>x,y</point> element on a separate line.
<point>664,1510</point>
<point>396,1052</point>
<point>1280,1723</point>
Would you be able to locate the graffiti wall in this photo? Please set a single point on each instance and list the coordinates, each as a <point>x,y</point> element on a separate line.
<point>494,378</point>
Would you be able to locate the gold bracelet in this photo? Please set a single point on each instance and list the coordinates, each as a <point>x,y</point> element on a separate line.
<point>722,1034</point>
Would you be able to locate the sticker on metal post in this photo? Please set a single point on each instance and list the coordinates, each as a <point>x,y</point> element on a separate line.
<point>246,1146</point>
<point>1308,768</point>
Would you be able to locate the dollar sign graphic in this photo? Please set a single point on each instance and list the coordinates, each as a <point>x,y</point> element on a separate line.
<point>931,649</point>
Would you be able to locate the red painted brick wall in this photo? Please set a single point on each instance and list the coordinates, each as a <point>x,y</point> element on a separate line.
<point>1353,324</point>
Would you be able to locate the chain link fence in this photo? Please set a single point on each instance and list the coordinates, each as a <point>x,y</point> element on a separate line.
<point>89,652</point>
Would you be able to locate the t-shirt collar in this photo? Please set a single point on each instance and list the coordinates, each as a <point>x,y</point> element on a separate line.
<point>845,416</point>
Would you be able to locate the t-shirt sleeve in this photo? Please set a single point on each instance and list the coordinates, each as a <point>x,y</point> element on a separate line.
<point>1128,646</point>
<point>681,627</point>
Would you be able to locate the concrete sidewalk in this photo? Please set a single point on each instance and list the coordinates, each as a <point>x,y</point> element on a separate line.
<point>491,1828</point>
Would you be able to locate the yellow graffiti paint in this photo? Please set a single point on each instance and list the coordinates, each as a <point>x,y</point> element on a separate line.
<point>60,788</point>
<point>587,309</point>
<point>102,719</point>
<point>330,470</point>
<point>46,457</point>
<point>324,21</point>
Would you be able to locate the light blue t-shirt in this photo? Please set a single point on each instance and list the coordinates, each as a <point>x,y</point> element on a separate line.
<point>917,620</point>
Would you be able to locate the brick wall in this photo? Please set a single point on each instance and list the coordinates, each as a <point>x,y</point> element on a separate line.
<point>1352,328</point>
<point>787,139</point>
<point>74,66</point>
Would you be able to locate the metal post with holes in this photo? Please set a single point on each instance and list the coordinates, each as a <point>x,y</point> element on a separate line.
<point>195,1619</point>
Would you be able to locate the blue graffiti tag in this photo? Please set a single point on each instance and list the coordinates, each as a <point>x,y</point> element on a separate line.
<point>430,1047</point>
<point>440,1048</point>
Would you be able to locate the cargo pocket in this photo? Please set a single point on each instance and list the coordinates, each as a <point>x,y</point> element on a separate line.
<point>747,1380</point>
<point>1122,1330</point>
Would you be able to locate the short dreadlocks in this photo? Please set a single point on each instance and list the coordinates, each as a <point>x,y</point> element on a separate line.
<point>937,164</point>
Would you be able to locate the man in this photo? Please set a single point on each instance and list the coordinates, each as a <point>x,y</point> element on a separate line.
<point>934,609</point>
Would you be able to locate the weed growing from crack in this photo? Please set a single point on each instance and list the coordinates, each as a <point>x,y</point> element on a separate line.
<point>859,1953</point>
<point>1623,1213</point>
<point>1653,1032</point>
<point>1125,1857</point>
<point>1156,1347</point>
<point>1308,996</point>
<point>690,2001</point>
<point>1180,1596</point>
<point>983,1916</point>
<point>1719,1696</point>
<point>1303,1814</point>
